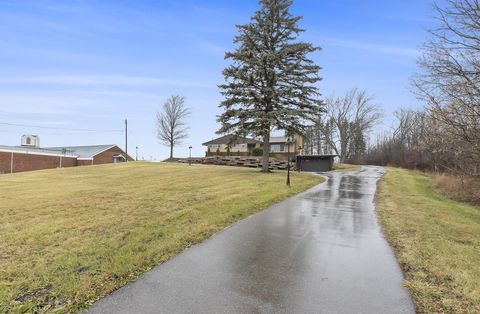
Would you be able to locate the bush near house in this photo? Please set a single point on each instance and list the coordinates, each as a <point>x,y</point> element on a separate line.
<point>257,151</point>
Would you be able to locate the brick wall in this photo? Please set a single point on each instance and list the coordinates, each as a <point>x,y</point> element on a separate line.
<point>84,162</point>
<point>29,162</point>
<point>107,156</point>
<point>4,162</point>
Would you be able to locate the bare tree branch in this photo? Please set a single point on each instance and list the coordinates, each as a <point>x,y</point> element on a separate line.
<point>346,124</point>
<point>171,126</point>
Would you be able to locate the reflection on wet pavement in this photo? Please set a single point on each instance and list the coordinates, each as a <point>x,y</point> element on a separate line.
<point>320,251</point>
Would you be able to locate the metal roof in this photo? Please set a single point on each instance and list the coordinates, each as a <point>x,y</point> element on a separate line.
<point>71,151</point>
<point>33,150</point>
<point>82,151</point>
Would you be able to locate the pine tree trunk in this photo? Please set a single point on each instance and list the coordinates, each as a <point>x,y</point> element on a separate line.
<point>319,144</point>
<point>266,152</point>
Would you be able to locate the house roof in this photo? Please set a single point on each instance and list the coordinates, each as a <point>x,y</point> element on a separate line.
<point>231,139</point>
<point>82,151</point>
<point>71,151</point>
<point>278,139</point>
<point>33,150</point>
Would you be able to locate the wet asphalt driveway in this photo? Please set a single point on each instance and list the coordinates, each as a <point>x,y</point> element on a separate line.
<point>321,251</point>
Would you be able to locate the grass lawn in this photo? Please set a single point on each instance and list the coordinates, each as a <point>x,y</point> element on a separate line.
<point>71,236</point>
<point>437,242</point>
<point>345,167</point>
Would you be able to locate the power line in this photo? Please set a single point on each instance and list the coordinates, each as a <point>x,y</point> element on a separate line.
<point>58,128</point>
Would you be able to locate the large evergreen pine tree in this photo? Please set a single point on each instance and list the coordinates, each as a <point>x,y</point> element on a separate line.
<point>271,82</point>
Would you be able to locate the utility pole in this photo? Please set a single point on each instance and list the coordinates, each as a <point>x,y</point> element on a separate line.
<point>126,140</point>
<point>11,163</point>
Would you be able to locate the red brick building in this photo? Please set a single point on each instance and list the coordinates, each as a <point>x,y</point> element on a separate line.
<point>29,156</point>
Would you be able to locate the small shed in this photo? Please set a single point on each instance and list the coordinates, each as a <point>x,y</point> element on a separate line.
<point>315,163</point>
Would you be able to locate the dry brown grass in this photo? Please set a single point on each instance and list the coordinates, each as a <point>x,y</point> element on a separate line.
<point>461,188</point>
<point>346,168</point>
<point>71,236</point>
<point>436,241</point>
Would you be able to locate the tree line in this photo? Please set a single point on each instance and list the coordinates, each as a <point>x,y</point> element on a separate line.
<point>445,135</point>
<point>344,128</point>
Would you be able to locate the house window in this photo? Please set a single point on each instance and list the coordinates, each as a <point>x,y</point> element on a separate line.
<point>213,146</point>
<point>238,146</point>
<point>276,148</point>
<point>28,141</point>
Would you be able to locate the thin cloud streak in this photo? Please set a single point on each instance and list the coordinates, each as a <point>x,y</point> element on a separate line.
<point>83,94</point>
<point>34,110</point>
<point>104,80</point>
<point>53,105</point>
<point>375,48</point>
<point>212,48</point>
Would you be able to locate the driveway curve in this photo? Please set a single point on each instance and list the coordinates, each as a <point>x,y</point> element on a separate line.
<point>321,251</point>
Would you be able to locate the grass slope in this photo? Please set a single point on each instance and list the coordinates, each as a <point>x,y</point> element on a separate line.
<point>437,242</point>
<point>70,236</point>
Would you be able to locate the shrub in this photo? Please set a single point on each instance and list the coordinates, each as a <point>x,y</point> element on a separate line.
<point>257,151</point>
<point>460,188</point>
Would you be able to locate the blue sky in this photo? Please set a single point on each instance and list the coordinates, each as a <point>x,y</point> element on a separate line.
<point>91,64</point>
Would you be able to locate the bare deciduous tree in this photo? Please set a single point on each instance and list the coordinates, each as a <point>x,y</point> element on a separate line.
<point>405,145</point>
<point>171,126</point>
<point>347,122</point>
<point>450,83</point>
<point>446,136</point>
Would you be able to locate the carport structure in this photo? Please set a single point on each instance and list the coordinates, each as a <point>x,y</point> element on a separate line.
<point>314,163</point>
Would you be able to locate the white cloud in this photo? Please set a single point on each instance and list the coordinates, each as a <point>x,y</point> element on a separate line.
<point>208,10</point>
<point>35,104</point>
<point>42,123</point>
<point>36,110</point>
<point>375,48</point>
<point>212,48</point>
<point>104,80</point>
